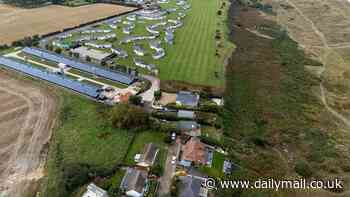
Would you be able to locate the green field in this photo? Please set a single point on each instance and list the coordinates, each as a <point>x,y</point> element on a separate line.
<point>85,136</point>
<point>192,57</point>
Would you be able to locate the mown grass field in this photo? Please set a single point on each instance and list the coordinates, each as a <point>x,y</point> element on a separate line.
<point>192,57</point>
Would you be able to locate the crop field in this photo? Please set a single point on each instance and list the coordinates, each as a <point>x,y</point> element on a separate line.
<point>27,114</point>
<point>16,23</point>
<point>192,58</point>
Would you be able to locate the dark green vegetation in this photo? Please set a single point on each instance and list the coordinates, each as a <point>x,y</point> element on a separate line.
<point>276,124</point>
<point>31,3</point>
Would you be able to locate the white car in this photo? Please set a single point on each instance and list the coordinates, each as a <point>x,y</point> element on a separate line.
<point>173,160</point>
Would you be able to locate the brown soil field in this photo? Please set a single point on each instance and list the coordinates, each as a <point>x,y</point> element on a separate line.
<point>16,23</point>
<point>27,116</point>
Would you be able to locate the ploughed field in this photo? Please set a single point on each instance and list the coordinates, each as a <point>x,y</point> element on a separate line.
<point>27,114</point>
<point>17,23</point>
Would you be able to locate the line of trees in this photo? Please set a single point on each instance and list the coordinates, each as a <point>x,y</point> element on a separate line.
<point>31,3</point>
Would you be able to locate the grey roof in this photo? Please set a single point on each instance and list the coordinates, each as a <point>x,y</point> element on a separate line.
<point>93,69</point>
<point>187,98</point>
<point>134,179</point>
<point>191,186</point>
<point>94,54</point>
<point>185,114</point>
<point>187,125</point>
<point>149,154</point>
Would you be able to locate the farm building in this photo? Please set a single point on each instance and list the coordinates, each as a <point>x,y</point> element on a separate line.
<point>186,98</point>
<point>95,55</point>
<point>134,182</point>
<point>149,155</point>
<point>94,191</point>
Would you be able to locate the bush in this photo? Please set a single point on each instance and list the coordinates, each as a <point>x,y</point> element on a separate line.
<point>58,50</point>
<point>135,100</point>
<point>157,170</point>
<point>210,141</point>
<point>303,169</point>
<point>129,117</point>
<point>75,175</point>
<point>157,95</point>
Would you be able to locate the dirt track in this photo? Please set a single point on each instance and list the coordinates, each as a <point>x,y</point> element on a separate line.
<point>27,115</point>
<point>16,23</point>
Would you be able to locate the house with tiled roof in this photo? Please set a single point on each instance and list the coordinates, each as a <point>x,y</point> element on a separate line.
<point>194,152</point>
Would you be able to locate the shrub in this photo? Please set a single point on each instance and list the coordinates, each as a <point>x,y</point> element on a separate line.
<point>129,117</point>
<point>58,50</point>
<point>303,169</point>
<point>157,95</point>
<point>135,100</point>
<point>157,170</point>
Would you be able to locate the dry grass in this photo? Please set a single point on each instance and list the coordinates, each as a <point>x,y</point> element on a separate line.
<point>16,23</point>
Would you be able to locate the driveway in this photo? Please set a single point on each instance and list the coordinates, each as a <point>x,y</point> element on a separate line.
<point>169,171</point>
<point>148,95</point>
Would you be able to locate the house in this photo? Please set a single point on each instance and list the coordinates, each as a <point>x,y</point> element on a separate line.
<point>120,52</point>
<point>193,152</point>
<point>190,128</point>
<point>134,182</point>
<point>138,50</point>
<point>142,64</point>
<point>149,155</point>
<point>169,37</point>
<point>187,99</point>
<point>186,114</point>
<point>95,55</point>
<point>218,101</point>
<point>158,54</point>
<point>94,191</point>
<point>192,186</point>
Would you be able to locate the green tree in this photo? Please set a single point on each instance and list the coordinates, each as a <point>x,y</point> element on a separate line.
<point>157,95</point>
<point>135,100</point>
<point>129,117</point>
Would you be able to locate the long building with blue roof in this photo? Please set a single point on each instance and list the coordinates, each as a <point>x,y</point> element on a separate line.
<point>93,69</point>
<point>61,80</point>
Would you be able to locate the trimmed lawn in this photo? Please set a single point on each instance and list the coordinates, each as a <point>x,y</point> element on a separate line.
<point>216,169</point>
<point>141,140</point>
<point>192,57</point>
